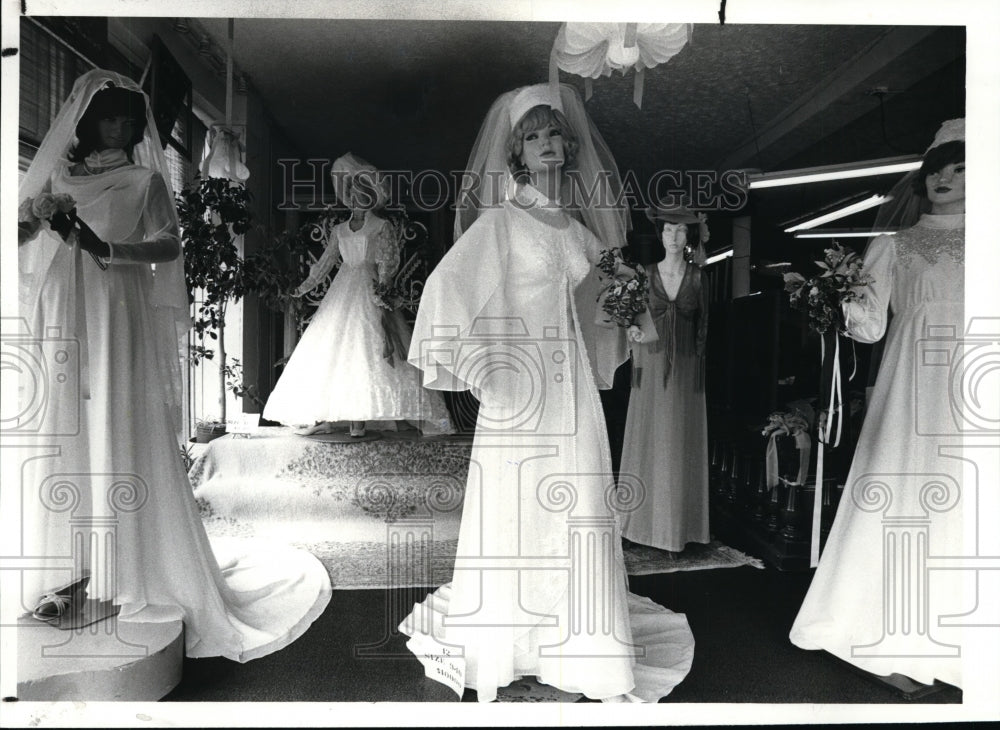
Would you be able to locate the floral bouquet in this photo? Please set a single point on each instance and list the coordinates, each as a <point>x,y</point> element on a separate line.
<point>627,294</point>
<point>57,211</point>
<point>822,295</point>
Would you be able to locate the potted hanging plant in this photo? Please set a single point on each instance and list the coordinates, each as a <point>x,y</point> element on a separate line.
<point>213,213</point>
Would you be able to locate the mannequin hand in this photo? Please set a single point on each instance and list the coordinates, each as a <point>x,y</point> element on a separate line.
<point>91,243</point>
<point>635,334</point>
<point>61,224</point>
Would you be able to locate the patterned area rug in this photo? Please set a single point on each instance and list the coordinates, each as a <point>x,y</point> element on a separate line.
<point>366,564</point>
<point>381,514</point>
<point>645,560</point>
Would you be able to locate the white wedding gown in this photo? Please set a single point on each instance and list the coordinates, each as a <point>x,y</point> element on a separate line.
<point>110,465</point>
<point>539,585</point>
<point>338,371</point>
<point>873,602</point>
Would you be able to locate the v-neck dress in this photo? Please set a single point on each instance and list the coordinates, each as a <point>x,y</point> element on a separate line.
<point>666,441</point>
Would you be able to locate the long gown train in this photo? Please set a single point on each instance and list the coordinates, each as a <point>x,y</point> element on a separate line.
<point>105,487</point>
<point>539,584</point>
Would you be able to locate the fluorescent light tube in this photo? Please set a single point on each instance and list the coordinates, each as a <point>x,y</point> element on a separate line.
<point>843,234</point>
<point>868,168</point>
<point>718,257</point>
<point>847,210</point>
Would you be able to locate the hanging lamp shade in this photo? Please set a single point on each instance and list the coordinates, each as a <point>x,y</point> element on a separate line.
<point>225,154</point>
<point>224,151</point>
<point>592,50</point>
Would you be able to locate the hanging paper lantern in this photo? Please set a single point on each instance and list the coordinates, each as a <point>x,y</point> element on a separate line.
<point>592,50</point>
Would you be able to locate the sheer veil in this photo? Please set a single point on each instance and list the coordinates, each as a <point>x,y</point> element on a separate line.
<point>169,295</point>
<point>594,183</point>
<point>466,287</point>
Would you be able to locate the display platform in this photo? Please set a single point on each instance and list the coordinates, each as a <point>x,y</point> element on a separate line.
<point>109,660</point>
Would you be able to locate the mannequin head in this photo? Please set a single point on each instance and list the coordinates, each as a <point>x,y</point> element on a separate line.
<point>363,193</point>
<point>941,179</point>
<point>538,139</point>
<point>115,119</point>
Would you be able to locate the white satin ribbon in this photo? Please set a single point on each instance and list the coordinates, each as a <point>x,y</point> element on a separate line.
<point>834,410</point>
<point>76,317</point>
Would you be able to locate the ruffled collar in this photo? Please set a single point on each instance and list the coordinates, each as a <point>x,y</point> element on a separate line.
<point>100,160</point>
<point>949,221</point>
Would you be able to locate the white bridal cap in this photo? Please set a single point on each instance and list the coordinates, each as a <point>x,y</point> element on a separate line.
<point>951,131</point>
<point>531,96</point>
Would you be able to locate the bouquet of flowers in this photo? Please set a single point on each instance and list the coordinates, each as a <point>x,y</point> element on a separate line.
<point>821,296</point>
<point>58,211</point>
<point>627,294</point>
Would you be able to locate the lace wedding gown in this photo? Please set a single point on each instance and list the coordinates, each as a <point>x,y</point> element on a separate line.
<point>109,468</point>
<point>904,491</point>
<point>539,585</point>
<point>337,371</point>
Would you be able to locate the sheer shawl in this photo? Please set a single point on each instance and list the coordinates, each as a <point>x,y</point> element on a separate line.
<point>169,295</point>
<point>466,289</point>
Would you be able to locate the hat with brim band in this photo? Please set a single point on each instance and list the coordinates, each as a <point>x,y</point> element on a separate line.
<point>671,214</point>
<point>644,248</point>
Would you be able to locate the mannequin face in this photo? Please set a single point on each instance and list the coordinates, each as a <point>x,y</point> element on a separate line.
<point>363,196</point>
<point>543,149</point>
<point>946,188</point>
<point>674,237</point>
<point>115,132</point>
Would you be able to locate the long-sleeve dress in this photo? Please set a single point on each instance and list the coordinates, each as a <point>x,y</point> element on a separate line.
<point>338,371</point>
<point>872,601</point>
<point>666,435</point>
<point>110,468</point>
<point>539,584</point>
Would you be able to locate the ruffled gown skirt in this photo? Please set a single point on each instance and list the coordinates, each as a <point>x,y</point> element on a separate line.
<point>338,371</point>
<point>106,489</point>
